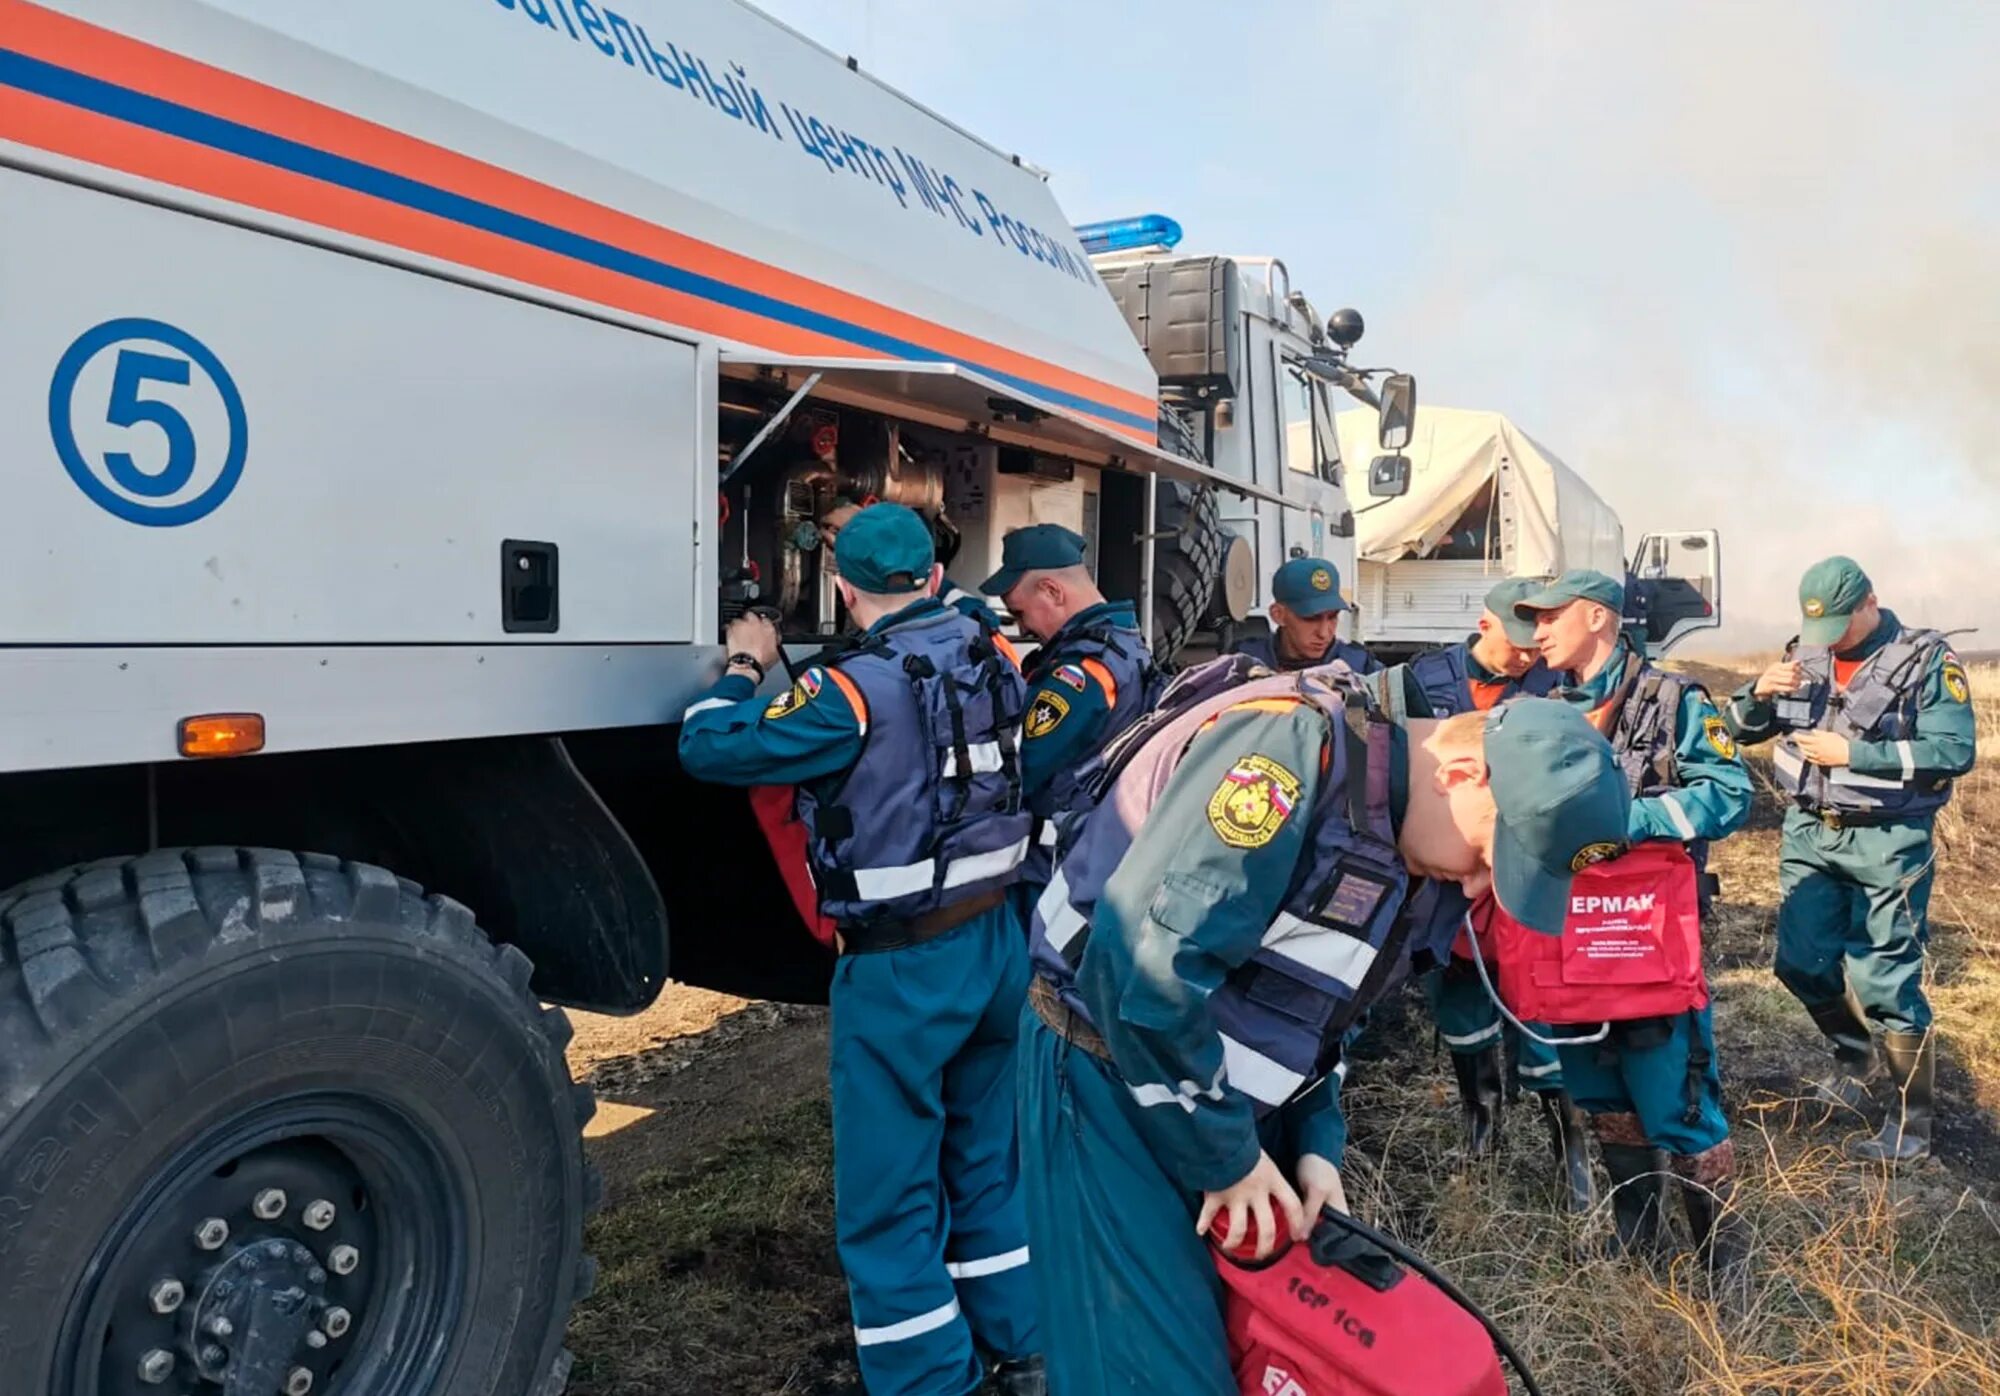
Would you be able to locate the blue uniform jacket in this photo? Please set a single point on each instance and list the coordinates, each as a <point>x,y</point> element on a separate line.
<point>1083,703</point>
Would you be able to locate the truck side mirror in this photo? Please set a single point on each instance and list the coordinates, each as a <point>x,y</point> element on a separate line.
<point>1389,477</point>
<point>1398,413</point>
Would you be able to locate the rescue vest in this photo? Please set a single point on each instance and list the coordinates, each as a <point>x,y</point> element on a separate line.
<point>1645,736</point>
<point>1879,704</point>
<point>930,813</point>
<point>1445,681</point>
<point>1264,649</point>
<point>1126,671</point>
<point>1630,945</point>
<point>1337,942</point>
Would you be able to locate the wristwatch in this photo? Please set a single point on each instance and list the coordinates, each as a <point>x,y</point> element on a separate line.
<point>740,660</point>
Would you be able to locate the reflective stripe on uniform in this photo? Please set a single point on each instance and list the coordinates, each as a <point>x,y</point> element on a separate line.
<point>1470,1039</point>
<point>1545,1069</point>
<point>1340,957</point>
<point>1258,1076</point>
<point>1904,750</point>
<point>1788,761</point>
<point>908,1328</point>
<point>990,1265</point>
<point>1046,835</point>
<point>1682,824</point>
<point>1842,775</point>
<point>886,884</point>
<point>708,705</point>
<point>1184,1095</point>
<point>984,756</point>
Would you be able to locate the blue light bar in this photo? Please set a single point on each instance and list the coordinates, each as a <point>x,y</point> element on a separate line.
<point>1119,234</point>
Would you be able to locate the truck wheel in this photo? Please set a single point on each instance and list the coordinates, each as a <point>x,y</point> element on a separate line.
<point>1185,565</point>
<point>275,1123</point>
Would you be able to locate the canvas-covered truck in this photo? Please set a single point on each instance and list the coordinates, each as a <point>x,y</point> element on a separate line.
<point>395,402</point>
<point>1473,499</point>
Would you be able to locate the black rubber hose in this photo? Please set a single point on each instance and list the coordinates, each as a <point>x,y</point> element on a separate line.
<point>1435,1276</point>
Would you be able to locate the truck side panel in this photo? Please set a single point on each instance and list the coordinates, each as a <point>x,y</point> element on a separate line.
<point>223,437</point>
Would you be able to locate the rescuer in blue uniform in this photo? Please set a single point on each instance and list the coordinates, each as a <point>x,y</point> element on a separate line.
<point>1875,722</point>
<point>1653,1084</point>
<point>1499,661</point>
<point>903,749</point>
<point>1212,927</point>
<point>1305,616</point>
<point>1091,676</point>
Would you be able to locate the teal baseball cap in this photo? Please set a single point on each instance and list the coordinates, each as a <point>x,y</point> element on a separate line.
<point>1036,548</point>
<point>1830,593</point>
<point>886,550</point>
<point>1308,586</point>
<point>1501,602</point>
<point>1577,584</point>
<point>1562,805</point>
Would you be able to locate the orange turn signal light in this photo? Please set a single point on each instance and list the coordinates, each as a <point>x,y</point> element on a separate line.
<point>222,734</point>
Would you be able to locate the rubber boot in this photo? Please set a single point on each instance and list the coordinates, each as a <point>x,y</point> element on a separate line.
<point>1479,1098</point>
<point>1905,1137</point>
<point>1566,1128</point>
<point>1855,1068</point>
<point>1638,1176</point>
<point>1721,1240</point>
<point>1020,1376</point>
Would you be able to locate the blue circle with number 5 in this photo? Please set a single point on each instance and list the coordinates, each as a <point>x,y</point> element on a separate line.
<point>148,496</point>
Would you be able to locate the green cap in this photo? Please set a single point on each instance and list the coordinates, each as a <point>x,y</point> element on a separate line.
<point>885,549</point>
<point>1577,584</point>
<point>1562,805</point>
<point>1501,602</point>
<point>1308,586</point>
<point>1829,595</point>
<point>1036,548</point>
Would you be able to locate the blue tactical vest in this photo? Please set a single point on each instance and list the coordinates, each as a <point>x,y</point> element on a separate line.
<point>930,814</point>
<point>1264,649</point>
<point>1645,736</point>
<point>1446,683</point>
<point>1121,649</point>
<point>1879,704</point>
<point>1336,945</point>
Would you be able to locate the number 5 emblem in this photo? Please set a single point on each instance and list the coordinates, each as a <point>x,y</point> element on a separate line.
<point>148,422</point>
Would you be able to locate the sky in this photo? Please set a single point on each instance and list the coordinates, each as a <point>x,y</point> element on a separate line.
<point>1737,263</point>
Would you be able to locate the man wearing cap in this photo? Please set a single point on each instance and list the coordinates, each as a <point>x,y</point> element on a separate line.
<point>1213,927</point>
<point>1874,721</point>
<point>1091,676</point>
<point>1305,618</point>
<point>902,749</point>
<point>1652,1086</point>
<point>1497,662</point>
<point>953,595</point>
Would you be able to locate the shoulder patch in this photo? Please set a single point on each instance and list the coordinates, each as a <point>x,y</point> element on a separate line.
<point>1072,675</point>
<point>1718,736</point>
<point>1045,714</point>
<point>1954,680</point>
<point>803,691</point>
<point>1253,802</point>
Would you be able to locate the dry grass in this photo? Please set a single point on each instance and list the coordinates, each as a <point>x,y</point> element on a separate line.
<point>720,1277</point>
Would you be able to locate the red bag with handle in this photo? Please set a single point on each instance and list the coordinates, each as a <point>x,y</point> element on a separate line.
<point>1338,1316</point>
<point>1630,946</point>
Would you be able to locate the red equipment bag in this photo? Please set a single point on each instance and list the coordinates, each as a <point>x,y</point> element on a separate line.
<point>777,811</point>
<point>1338,1316</point>
<point>1630,946</point>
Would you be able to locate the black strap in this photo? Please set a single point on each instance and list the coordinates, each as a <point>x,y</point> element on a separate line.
<point>1697,1070</point>
<point>1355,709</point>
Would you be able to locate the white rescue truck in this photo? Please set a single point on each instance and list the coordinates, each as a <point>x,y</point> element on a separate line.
<point>395,401</point>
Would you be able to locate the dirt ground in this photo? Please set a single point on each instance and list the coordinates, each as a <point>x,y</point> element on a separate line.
<point>718,1272</point>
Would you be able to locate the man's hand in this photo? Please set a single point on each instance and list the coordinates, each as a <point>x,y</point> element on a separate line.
<point>1319,1180</point>
<point>753,635</point>
<point>1824,748</point>
<point>1253,1195</point>
<point>1782,677</point>
<point>834,520</point>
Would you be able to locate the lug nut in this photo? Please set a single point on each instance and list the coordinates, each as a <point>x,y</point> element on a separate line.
<point>319,1215</point>
<point>336,1321</point>
<point>316,1276</point>
<point>213,1356</point>
<point>270,1204</point>
<point>343,1260</point>
<point>167,1296</point>
<point>156,1366</point>
<point>315,1339</point>
<point>275,1249</point>
<point>220,1326</point>
<point>299,1382</point>
<point>212,1234</point>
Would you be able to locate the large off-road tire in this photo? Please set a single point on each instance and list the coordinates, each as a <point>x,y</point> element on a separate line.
<point>1187,560</point>
<point>268,1116</point>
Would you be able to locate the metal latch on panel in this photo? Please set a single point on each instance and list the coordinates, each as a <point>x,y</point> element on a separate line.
<point>528,599</point>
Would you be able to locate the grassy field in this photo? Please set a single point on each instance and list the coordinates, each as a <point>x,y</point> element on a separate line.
<point>719,1273</point>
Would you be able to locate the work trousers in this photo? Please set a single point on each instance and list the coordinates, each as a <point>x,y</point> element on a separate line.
<point>1856,914</point>
<point>927,1206</point>
<point>1662,1070</point>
